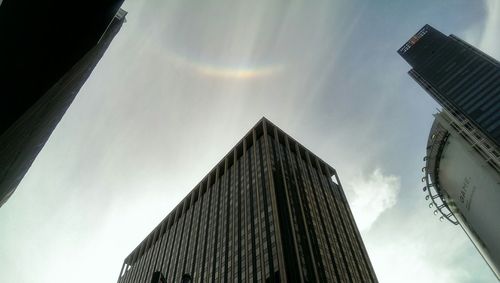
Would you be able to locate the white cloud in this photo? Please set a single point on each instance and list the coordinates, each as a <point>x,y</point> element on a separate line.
<point>417,247</point>
<point>371,195</point>
<point>490,40</point>
<point>484,35</point>
<point>408,258</point>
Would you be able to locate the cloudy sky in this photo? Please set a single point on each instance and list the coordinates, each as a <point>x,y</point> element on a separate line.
<point>184,80</point>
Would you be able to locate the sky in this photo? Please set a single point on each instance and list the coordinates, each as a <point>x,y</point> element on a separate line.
<point>184,80</point>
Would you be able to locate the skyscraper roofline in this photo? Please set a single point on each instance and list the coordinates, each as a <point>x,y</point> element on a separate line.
<point>262,125</point>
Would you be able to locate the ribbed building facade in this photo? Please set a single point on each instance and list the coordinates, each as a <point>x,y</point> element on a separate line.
<point>268,212</point>
<point>463,79</point>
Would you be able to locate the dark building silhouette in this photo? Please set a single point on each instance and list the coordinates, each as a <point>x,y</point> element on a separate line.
<point>41,41</point>
<point>464,80</point>
<point>45,59</point>
<point>268,212</point>
<point>462,162</point>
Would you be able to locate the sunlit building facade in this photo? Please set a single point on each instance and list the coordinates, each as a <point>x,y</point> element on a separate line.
<point>462,169</point>
<point>268,212</point>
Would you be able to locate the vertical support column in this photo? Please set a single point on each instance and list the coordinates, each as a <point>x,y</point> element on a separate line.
<point>339,204</point>
<point>274,205</point>
<point>322,235</point>
<point>247,255</point>
<point>228,227</point>
<point>138,265</point>
<point>175,244</point>
<point>132,270</point>
<point>147,256</point>
<point>191,246</point>
<point>356,231</point>
<point>222,226</point>
<point>185,245</point>
<point>341,267</point>
<point>258,197</point>
<point>288,206</point>
<point>268,269</point>
<point>209,196</point>
<point>215,253</point>
<point>157,254</point>
<point>127,273</point>
<point>121,273</point>
<point>155,249</point>
<point>234,238</point>
<point>302,203</point>
<point>168,227</point>
<point>191,269</point>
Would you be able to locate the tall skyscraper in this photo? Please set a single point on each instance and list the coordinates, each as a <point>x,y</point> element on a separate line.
<point>39,83</point>
<point>268,212</point>
<point>462,170</point>
<point>464,80</point>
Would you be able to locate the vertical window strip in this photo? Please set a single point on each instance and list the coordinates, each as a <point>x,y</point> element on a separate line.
<point>266,205</point>
<point>330,260</point>
<point>208,195</point>
<point>359,241</point>
<point>293,261</point>
<point>307,191</point>
<point>342,266</point>
<point>170,275</point>
<point>299,191</point>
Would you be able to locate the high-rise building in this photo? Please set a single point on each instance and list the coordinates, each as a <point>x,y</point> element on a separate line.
<point>41,41</point>
<point>460,77</point>
<point>41,76</point>
<point>268,212</point>
<point>462,169</point>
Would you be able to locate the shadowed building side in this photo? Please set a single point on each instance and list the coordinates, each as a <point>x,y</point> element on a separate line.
<point>268,212</point>
<point>23,140</point>
<point>41,41</point>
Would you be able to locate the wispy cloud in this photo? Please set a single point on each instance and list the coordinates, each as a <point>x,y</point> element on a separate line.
<point>490,37</point>
<point>146,127</point>
<point>419,265</point>
<point>415,248</point>
<point>484,35</point>
<point>369,196</point>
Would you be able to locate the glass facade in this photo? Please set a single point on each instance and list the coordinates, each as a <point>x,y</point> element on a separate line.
<point>464,80</point>
<point>268,212</point>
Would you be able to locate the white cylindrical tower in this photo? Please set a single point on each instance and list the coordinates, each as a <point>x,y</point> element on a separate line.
<point>462,179</point>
